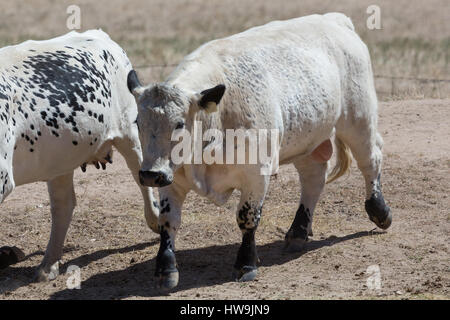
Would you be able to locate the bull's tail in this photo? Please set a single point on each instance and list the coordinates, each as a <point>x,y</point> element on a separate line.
<point>343,160</point>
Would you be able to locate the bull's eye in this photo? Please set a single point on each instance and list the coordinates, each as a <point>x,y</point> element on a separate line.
<point>180,125</point>
<point>136,122</point>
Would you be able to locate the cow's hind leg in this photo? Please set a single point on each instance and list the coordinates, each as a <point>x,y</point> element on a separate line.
<point>62,204</point>
<point>312,178</point>
<point>248,216</point>
<point>366,144</point>
<point>131,151</point>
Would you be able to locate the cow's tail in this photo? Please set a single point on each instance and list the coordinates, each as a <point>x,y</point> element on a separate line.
<point>343,160</point>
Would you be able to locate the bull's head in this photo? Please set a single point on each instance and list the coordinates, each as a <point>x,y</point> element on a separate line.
<point>163,108</point>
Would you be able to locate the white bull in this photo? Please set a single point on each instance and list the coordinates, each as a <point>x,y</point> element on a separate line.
<point>64,103</point>
<point>310,78</point>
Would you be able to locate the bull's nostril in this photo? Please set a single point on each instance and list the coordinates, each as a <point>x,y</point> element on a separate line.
<point>154,178</point>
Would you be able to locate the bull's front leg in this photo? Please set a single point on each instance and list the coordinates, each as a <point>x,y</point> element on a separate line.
<point>62,203</point>
<point>171,201</point>
<point>248,216</point>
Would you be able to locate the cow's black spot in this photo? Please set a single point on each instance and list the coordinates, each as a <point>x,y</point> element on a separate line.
<point>180,125</point>
<point>165,206</point>
<point>248,217</point>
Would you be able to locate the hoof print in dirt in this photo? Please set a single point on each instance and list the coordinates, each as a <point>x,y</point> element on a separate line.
<point>10,255</point>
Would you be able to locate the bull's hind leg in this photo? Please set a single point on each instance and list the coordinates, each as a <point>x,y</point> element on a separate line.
<point>248,216</point>
<point>312,178</point>
<point>131,151</point>
<point>366,144</point>
<point>62,204</point>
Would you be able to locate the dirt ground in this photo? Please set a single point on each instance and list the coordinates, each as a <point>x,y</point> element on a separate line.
<point>110,242</point>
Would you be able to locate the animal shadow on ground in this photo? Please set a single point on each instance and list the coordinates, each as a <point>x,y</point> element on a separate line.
<point>22,276</point>
<point>199,267</point>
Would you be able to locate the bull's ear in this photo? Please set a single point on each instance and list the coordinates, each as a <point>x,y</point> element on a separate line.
<point>210,98</point>
<point>134,85</point>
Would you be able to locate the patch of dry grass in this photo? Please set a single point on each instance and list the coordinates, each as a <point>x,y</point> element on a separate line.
<point>413,41</point>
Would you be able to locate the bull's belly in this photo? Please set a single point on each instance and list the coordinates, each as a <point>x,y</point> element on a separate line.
<point>55,157</point>
<point>299,143</point>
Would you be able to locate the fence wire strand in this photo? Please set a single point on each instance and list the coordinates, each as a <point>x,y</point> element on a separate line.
<point>152,66</point>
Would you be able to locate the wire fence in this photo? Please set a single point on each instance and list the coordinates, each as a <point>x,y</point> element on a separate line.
<point>411,78</point>
<point>391,86</point>
<point>394,88</point>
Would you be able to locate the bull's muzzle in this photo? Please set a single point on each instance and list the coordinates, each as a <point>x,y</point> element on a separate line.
<point>154,178</point>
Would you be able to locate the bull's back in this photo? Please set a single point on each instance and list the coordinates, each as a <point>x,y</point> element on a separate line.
<point>292,75</point>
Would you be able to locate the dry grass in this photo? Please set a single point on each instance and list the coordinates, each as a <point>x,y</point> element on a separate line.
<point>413,42</point>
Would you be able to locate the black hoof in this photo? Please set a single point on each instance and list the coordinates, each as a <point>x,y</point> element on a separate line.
<point>385,223</point>
<point>166,265</point>
<point>294,244</point>
<point>167,281</point>
<point>246,273</point>
<point>378,211</point>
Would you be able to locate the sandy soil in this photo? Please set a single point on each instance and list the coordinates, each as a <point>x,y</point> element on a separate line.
<point>110,242</point>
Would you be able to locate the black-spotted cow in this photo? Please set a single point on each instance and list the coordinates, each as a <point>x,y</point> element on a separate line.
<point>310,78</point>
<point>64,103</point>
